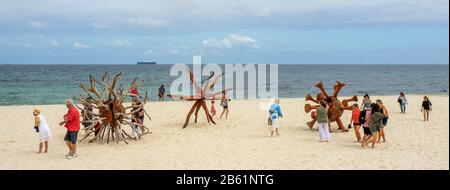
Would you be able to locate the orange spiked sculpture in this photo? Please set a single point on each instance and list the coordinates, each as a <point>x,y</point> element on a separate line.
<point>200,97</point>
<point>335,107</point>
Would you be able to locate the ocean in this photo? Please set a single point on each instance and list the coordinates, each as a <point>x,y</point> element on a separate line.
<point>52,84</point>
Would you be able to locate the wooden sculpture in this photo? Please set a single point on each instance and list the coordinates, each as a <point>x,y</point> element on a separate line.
<point>200,96</point>
<point>335,107</point>
<point>111,113</point>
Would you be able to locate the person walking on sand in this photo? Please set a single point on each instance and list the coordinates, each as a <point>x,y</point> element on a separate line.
<point>213,108</point>
<point>365,104</point>
<point>426,108</point>
<point>385,112</point>
<point>224,104</point>
<point>274,114</point>
<point>322,122</point>
<point>364,117</point>
<point>161,92</point>
<point>376,120</point>
<point>402,101</point>
<point>42,129</point>
<point>355,120</point>
<point>72,123</point>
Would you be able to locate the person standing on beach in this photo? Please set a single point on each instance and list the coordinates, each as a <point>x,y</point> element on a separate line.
<point>72,123</point>
<point>385,112</point>
<point>366,102</point>
<point>364,117</point>
<point>275,114</point>
<point>138,119</point>
<point>134,93</point>
<point>224,104</point>
<point>355,119</point>
<point>161,92</point>
<point>322,122</point>
<point>402,101</point>
<point>212,111</point>
<point>376,120</point>
<point>426,108</point>
<point>42,129</point>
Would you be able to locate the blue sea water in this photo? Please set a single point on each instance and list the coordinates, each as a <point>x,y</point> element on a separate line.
<point>51,84</point>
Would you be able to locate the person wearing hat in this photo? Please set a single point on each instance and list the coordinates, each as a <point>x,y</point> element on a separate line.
<point>42,129</point>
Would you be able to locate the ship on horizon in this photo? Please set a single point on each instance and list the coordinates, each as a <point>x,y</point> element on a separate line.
<point>146,62</point>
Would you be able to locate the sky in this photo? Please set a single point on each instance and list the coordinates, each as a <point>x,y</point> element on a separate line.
<point>224,31</point>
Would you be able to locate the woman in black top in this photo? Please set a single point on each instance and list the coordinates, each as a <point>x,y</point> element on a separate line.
<point>426,108</point>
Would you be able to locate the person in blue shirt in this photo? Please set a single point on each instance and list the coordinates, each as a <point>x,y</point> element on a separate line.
<point>274,115</point>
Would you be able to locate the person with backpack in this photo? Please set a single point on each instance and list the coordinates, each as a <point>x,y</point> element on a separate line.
<point>402,101</point>
<point>426,108</point>
<point>274,114</point>
<point>355,120</point>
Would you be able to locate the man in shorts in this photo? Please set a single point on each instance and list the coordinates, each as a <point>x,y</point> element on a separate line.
<point>72,123</point>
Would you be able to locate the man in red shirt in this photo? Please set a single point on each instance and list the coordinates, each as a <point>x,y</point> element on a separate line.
<point>72,123</point>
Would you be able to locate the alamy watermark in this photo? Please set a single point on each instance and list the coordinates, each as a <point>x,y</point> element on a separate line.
<point>229,78</point>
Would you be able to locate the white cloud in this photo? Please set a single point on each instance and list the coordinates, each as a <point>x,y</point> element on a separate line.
<point>230,41</point>
<point>174,51</point>
<point>28,45</point>
<point>38,24</point>
<point>79,45</point>
<point>147,22</point>
<point>118,44</point>
<point>149,51</point>
<point>99,26</point>
<point>54,43</point>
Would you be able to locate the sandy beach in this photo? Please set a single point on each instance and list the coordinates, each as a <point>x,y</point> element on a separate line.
<point>241,142</point>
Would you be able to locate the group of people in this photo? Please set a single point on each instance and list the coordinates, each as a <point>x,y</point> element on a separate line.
<point>425,108</point>
<point>71,122</point>
<point>373,117</point>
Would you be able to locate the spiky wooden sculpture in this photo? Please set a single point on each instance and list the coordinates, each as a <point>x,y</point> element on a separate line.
<point>200,97</point>
<point>110,112</point>
<point>335,107</point>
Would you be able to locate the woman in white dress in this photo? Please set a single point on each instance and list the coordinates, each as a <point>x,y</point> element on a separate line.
<point>42,129</point>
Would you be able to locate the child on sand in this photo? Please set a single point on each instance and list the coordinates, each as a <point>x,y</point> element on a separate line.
<point>426,108</point>
<point>355,119</point>
<point>322,122</point>
<point>275,114</point>
<point>43,130</point>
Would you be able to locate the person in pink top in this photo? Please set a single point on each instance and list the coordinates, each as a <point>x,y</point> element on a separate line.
<point>366,125</point>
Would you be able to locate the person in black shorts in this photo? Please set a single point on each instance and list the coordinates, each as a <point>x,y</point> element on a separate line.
<point>426,108</point>
<point>224,104</point>
<point>355,120</point>
<point>366,125</point>
<point>384,111</point>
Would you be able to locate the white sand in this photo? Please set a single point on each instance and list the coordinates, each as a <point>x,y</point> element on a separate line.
<point>241,142</point>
